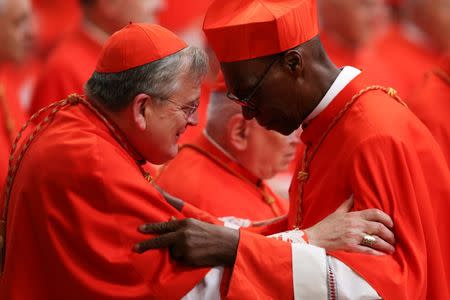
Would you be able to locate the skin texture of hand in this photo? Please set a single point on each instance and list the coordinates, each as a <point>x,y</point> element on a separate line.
<point>344,230</point>
<point>193,242</point>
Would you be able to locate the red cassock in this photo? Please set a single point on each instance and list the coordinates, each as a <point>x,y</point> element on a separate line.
<point>73,218</point>
<point>202,175</point>
<point>405,62</point>
<point>379,152</point>
<point>68,68</point>
<point>12,118</point>
<point>431,104</point>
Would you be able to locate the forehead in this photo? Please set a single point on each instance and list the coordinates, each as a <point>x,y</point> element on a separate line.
<point>242,75</point>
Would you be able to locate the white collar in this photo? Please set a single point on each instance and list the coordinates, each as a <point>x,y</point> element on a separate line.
<point>344,78</point>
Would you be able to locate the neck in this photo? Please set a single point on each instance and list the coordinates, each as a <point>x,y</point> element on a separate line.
<point>323,74</point>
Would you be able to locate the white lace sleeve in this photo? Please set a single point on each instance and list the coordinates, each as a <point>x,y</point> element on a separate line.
<point>208,288</point>
<point>318,276</point>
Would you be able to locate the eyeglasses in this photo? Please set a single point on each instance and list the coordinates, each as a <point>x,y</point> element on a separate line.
<point>188,110</point>
<point>247,101</point>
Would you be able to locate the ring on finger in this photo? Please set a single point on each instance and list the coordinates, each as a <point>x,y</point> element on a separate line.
<point>368,240</point>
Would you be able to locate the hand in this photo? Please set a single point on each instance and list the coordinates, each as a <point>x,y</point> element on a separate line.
<point>344,230</point>
<point>193,242</point>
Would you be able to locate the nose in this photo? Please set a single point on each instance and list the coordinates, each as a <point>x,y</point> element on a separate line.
<point>193,119</point>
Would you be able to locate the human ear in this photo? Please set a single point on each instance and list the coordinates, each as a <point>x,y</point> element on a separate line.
<point>293,60</point>
<point>237,132</point>
<point>139,110</point>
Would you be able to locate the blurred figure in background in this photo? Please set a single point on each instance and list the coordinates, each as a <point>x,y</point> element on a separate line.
<point>54,20</point>
<point>230,160</point>
<point>431,104</point>
<point>349,29</point>
<point>415,44</point>
<point>16,38</point>
<point>72,62</point>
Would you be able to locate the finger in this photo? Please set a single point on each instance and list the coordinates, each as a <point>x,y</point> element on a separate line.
<point>366,250</point>
<point>345,206</point>
<point>160,228</point>
<point>381,231</point>
<point>382,246</point>
<point>376,215</point>
<point>162,241</point>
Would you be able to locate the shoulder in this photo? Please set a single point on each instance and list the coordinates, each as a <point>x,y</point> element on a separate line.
<point>73,145</point>
<point>378,114</point>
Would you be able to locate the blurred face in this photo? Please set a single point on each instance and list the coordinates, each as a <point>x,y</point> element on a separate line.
<point>353,21</point>
<point>268,152</point>
<point>167,120</point>
<point>140,11</point>
<point>16,35</point>
<point>436,21</point>
<point>119,13</point>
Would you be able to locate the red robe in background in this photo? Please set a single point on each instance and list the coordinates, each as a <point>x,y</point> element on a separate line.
<point>406,61</point>
<point>54,20</point>
<point>202,175</point>
<point>431,103</point>
<point>12,117</point>
<point>379,152</point>
<point>363,58</point>
<point>68,68</point>
<point>71,227</point>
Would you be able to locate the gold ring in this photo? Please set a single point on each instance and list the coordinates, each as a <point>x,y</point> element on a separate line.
<point>368,240</point>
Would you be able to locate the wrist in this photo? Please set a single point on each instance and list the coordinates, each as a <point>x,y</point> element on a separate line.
<point>230,246</point>
<point>310,236</point>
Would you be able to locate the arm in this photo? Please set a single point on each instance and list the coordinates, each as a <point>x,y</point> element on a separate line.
<point>251,255</point>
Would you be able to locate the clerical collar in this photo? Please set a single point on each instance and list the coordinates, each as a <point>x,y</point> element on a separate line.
<point>220,148</point>
<point>344,78</point>
<point>95,32</point>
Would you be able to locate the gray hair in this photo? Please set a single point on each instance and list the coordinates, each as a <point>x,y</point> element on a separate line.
<point>159,79</point>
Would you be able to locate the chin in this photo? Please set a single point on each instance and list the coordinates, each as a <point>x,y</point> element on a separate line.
<point>284,126</point>
<point>165,156</point>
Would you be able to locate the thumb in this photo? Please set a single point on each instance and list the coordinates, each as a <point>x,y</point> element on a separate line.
<point>345,206</point>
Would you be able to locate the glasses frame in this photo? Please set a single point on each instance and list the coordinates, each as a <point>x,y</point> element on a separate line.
<point>188,110</point>
<point>247,101</point>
